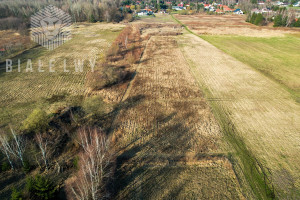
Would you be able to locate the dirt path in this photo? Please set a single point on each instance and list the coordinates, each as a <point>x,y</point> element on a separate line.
<point>264,113</point>
<point>172,145</point>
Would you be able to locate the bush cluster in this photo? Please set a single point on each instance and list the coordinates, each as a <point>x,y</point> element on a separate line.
<point>257,19</point>
<point>37,188</point>
<point>280,20</point>
<point>37,121</point>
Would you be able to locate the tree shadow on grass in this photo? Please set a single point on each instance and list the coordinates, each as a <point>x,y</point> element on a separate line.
<point>168,142</point>
<point>32,54</point>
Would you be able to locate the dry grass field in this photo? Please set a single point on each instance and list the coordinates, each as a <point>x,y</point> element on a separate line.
<point>186,119</point>
<point>230,25</point>
<point>25,91</point>
<point>252,106</point>
<point>13,43</point>
<point>171,145</point>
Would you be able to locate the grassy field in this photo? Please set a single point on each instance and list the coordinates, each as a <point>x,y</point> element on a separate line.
<point>259,116</point>
<point>276,57</point>
<point>21,92</point>
<point>171,146</point>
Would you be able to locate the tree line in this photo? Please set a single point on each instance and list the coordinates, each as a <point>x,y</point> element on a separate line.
<point>16,14</point>
<point>283,18</point>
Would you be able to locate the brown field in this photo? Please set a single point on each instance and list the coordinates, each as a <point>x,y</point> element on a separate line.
<point>13,43</point>
<point>230,25</point>
<point>171,145</point>
<point>186,120</point>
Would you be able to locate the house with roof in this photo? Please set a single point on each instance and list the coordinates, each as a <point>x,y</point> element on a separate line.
<point>206,6</point>
<point>178,8</point>
<point>211,9</point>
<point>180,5</point>
<point>266,10</point>
<point>238,12</point>
<point>145,12</point>
<point>255,10</point>
<point>226,8</point>
<point>297,4</point>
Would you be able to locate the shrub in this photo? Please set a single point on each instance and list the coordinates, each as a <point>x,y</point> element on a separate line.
<point>16,195</point>
<point>107,76</point>
<point>253,17</point>
<point>296,23</point>
<point>26,167</point>
<point>75,163</point>
<point>279,20</point>
<point>5,167</point>
<point>41,188</point>
<point>259,19</point>
<point>36,121</point>
<point>129,17</point>
<point>92,19</point>
<point>94,105</point>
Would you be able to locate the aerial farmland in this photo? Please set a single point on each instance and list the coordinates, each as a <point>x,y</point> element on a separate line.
<point>150,100</point>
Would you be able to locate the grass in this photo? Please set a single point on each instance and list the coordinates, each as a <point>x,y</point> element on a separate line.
<point>243,159</point>
<point>22,92</point>
<point>163,155</point>
<point>245,164</point>
<point>177,182</point>
<point>277,57</point>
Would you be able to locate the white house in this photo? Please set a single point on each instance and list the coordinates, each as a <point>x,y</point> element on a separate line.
<point>178,8</point>
<point>238,12</point>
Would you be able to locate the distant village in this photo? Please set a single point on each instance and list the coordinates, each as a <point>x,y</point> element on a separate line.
<point>263,7</point>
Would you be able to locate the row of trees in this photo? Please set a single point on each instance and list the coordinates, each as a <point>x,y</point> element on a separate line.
<point>80,10</point>
<point>283,18</point>
<point>286,18</point>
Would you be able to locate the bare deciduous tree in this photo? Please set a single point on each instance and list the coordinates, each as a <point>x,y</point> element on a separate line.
<point>13,148</point>
<point>94,163</point>
<point>42,141</point>
<point>291,16</point>
<point>20,145</point>
<point>7,149</point>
